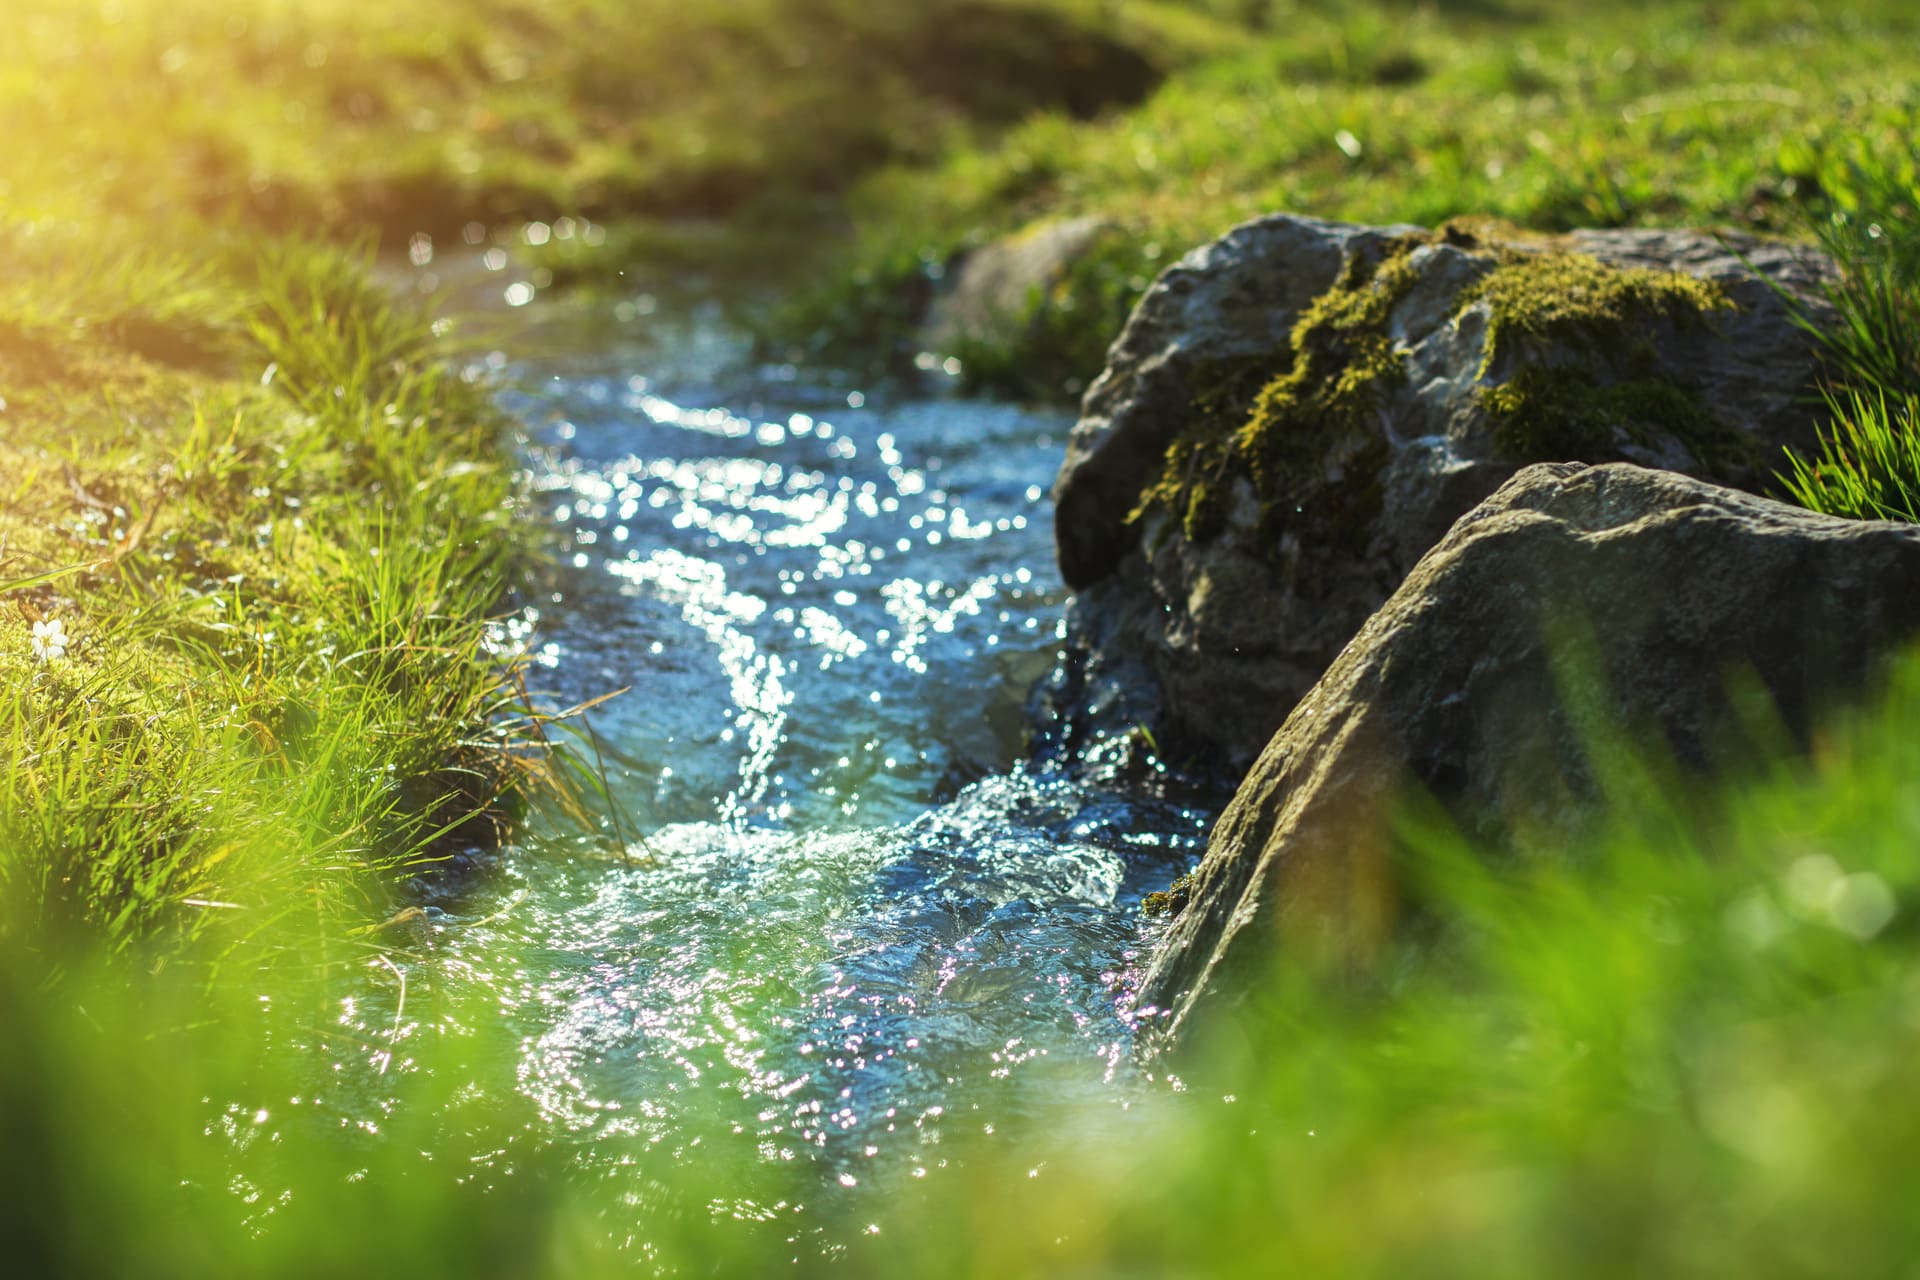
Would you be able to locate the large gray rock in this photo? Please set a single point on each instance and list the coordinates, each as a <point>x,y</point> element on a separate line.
<point>1209,630</point>
<point>1579,606</point>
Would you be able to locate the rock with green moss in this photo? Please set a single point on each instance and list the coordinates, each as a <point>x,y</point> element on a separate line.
<point>1295,413</point>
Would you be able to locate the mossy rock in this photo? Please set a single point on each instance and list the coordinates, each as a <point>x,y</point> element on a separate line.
<point>1568,367</point>
<point>1296,413</point>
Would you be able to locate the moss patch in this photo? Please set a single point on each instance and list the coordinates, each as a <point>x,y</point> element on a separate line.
<point>1285,433</point>
<point>1173,900</point>
<point>1545,414</point>
<point>1341,360</point>
<point>1580,305</point>
<point>1571,297</point>
<point>1193,478</point>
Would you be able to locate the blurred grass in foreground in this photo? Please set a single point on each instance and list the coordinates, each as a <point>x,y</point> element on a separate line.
<point>1681,1048</point>
<point>1684,1048</point>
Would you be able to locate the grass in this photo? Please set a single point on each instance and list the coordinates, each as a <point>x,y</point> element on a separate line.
<point>1676,1050</point>
<point>857,147</point>
<point>1867,464</point>
<point>1545,114</point>
<point>274,519</point>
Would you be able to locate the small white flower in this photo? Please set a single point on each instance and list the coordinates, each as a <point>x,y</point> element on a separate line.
<point>50,640</point>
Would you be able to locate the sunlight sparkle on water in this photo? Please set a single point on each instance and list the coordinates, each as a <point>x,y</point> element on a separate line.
<point>854,927</point>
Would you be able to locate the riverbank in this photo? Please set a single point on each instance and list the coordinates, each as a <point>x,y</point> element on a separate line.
<point>1551,116</point>
<point>258,520</point>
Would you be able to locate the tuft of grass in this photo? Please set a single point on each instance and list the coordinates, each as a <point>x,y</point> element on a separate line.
<point>277,563</point>
<point>1867,465</point>
<point>1867,461</point>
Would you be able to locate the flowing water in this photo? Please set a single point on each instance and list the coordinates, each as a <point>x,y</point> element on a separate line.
<point>843,921</point>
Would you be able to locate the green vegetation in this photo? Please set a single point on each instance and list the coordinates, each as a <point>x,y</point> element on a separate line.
<point>1545,114</point>
<point>1571,297</point>
<point>277,521</point>
<point>1867,465</point>
<point>1171,901</point>
<point>1541,414</point>
<point>1545,412</point>
<point>1679,1049</point>
<point>427,115</point>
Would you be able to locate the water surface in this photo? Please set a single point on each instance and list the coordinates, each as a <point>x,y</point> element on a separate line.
<point>845,919</point>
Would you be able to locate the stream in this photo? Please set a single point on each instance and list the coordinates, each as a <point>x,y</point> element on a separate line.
<point>846,922</point>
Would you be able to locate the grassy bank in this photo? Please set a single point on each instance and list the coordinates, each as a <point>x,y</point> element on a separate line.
<point>255,524</point>
<point>1548,114</point>
<point>427,115</point>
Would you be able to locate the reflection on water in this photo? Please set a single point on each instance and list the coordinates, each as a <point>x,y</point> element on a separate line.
<point>856,920</point>
<point>823,609</point>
